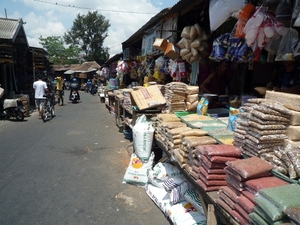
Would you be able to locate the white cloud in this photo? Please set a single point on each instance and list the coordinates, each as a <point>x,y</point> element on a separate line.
<point>45,18</point>
<point>56,19</point>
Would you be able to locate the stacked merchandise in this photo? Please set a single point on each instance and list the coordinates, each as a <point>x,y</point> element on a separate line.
<point>164,125</point>
<point>270,130</point>
<point>274,205</point>
<point>174,195</point>
<point>181,97</point>
<point>192,98</point>
<point>288,156</point>
<point>189,140</point>
<point>242,183</point>
<point>175,96</point>
<point>210,173</point>
<point>193,45</point>
<point>261,127</point>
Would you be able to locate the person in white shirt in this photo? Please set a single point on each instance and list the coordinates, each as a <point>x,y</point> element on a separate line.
<point>40,88</point>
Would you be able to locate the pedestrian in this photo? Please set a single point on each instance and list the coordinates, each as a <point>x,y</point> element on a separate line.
<point>59,91</point>
<point>40,88</point>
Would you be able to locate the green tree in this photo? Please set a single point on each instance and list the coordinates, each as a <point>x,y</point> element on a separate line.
<point>89,32</point>
<point>58,53</point>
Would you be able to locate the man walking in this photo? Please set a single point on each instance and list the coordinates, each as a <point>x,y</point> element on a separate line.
<point>40,88</point>
<point>59,91</point>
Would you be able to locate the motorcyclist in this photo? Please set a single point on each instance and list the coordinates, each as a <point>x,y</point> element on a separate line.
<point>74,86</point>
<point>89,84</point>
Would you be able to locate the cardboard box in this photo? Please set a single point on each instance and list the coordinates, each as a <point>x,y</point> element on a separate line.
<point>171,51</point>
<point>147,97</point>
<point>160,44</point>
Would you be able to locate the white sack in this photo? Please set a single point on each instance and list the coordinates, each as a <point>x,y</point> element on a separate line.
<point>142,137</point>
<point>221,10</point>
<point>137,170</point>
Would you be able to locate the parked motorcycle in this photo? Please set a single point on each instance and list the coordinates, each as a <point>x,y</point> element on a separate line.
<point>74,97</point>
<point>13,108</point>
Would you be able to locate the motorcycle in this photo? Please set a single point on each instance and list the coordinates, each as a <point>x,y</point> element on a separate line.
<point>94,90</point>
<point>13,108</point>
<point>74,97</point>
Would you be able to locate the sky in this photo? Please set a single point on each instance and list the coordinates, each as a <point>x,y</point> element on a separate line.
<point>54,17</point>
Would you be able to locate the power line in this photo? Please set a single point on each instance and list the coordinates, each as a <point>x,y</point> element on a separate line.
<point>106,10</point>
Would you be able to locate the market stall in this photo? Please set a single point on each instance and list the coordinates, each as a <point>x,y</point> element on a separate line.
<point>228,177</point>
<point>224,148</point>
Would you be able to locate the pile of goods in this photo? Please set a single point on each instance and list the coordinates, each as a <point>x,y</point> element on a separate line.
<point>181,97</point>
<point>244,180</point>
<point>208,168</point>
<point>193,45</point>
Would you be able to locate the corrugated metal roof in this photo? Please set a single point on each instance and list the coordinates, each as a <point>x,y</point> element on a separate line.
<point>9,28</point>
<point>88,66</point>
<point>12,29</point>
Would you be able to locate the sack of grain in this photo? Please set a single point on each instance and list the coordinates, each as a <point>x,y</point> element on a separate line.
<point>290,101</point>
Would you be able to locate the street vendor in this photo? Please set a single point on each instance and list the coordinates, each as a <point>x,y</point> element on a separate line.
<point>287,78</point>
<point>216,82</point>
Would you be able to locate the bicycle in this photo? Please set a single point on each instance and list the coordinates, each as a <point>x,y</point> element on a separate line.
<point>47,107</point>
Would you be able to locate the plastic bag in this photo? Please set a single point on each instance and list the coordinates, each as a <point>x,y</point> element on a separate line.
<point>286,48</point>
<point>233,115</point>
<point>284,10</point>
<point>221,10</point>
<point>143,138</point>
<point>202,106</point>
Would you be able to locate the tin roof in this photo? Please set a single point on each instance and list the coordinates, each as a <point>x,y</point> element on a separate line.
<point>13,30</point>
<point>88,66</point>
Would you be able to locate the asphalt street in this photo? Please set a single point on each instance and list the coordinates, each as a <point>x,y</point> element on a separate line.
<point>69,170</point>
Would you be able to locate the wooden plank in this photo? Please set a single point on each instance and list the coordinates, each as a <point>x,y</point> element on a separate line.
<point>211,216</point>
<point>203,203</point>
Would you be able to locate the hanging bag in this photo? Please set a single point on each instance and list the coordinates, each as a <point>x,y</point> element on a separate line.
<point>286,47</point>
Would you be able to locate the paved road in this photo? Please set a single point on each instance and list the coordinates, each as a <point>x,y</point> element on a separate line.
<point>69,171</point>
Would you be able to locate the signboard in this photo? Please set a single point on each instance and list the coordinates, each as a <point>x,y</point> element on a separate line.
<point>82,75</point>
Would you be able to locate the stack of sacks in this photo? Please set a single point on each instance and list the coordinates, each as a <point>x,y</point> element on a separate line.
<point>166,127</point>
<point>159,132</point>
<point>273,202</point>
<point>192,98</point>
<point>238,172</point>
<point>210,175</point>
<point>188,146</point>
<point>227,198</point>
<point>175,94</point>
<point>261,127</point>
<point>173,138</point>
<point>168,189</point>
<point>193,45</point>
<point>162,172</point>
<point>181,155</point>
<point>254,185</point>
<point>176,189</point>
<point>156,177</point>
<point>288,157</point>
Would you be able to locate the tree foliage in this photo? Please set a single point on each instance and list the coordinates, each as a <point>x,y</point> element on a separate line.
<point>58,53</point>
<point>89,32</point>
